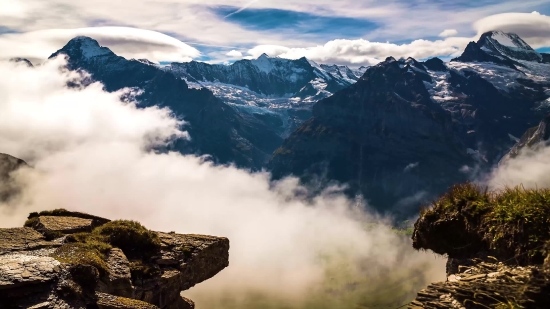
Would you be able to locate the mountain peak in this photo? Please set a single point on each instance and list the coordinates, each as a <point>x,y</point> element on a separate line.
<point>83,47</point>
<point>509,45</point>
<point>505,39</point>
<point>264,56</point>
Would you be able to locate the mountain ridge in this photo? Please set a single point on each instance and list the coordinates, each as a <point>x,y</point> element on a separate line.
<point>483,99</point>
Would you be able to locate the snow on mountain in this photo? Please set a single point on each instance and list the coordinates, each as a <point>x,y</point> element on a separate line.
<point>510,45</point>
<point>89,48</point>
<point>270,83</point>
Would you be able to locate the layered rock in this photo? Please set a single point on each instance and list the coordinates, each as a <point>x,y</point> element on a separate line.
<point>497,247</point>
<point>35,272</point>
<point>488,284</point>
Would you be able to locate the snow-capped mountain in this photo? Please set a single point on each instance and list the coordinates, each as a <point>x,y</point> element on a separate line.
<point>275,87</point>
<point>408,129</point>
<point>216,129</point>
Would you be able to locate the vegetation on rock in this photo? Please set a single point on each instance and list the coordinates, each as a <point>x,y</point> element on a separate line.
<point>510,224</point>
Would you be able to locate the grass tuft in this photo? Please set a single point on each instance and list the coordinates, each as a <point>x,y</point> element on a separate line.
<point>513,222</point>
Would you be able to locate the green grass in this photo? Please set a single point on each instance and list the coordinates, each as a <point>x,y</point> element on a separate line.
<point>82,254</point>
<point>137,243</point>
<point>130,236</point>
<point>514,222</point>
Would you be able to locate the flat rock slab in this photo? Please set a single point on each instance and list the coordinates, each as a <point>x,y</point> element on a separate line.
<point>65,225</point>
<point>24,238</point>
<point>106,301</point>
<point>18,270</point>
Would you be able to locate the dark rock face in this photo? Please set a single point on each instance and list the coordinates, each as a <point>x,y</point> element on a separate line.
<point>8,164</point>
<point>435,64</point>
<point>267,76</point>
<point>32,275</point>
<point>534,137</point>
<point>215,128</point>
<point>373,134</point>
<point>407,130</point>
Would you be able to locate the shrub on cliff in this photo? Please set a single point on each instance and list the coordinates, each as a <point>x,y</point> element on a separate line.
<point>513,223</point>
<point>130,236</point>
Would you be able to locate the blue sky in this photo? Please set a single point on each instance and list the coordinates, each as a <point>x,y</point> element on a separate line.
<point>344,32</point>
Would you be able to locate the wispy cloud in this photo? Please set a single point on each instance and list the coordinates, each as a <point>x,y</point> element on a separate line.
<point>241,9</point>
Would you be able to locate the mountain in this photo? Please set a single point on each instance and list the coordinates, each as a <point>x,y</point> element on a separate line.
<point>407,129</point>
<point>280,91</point>
<point>501,48</point>
<point>216,129</point>
<point>8,164</point>
<point>533,138</point>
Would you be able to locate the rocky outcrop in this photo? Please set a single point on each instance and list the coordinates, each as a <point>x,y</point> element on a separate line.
<point>72,272</point>
<point>488,284</point>
<point>497,247</point>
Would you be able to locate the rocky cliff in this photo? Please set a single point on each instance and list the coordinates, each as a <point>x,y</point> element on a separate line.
<point>64,259</point>
<point>497,244</point>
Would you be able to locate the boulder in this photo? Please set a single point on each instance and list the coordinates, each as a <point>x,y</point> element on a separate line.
<point>64,225</point>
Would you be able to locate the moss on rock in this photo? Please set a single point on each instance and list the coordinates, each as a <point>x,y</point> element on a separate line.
<point>468,219</point>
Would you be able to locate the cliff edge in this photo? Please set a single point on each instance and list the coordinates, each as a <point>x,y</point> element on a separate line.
<point>497,244</point>
<point>62,259</point>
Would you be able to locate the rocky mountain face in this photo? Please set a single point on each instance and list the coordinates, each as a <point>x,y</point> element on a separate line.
<point>407,129</point>
<point>534,137</point>
<point>45,266</point>
<point>278,91</point>
<point>8,164</point>
<point>216,129</point>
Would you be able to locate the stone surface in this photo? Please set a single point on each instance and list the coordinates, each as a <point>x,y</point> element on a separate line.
<point>20,239</point>
<point>65,225</point>
<point>30,276</point>
<point>119,280</point>
<point>106,301</point>
<point>17,270</point>
<point>483,284</point>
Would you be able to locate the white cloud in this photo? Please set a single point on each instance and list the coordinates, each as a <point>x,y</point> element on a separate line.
<point>124,41</point>
<point>531,168</point>
<point>235,54</point>
<point>363,52</point>
<point>532,27</point>
<point>89,153</point>
<point>448,33</point>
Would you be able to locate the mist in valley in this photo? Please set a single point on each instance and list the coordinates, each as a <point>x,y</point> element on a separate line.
<point>90,151</point>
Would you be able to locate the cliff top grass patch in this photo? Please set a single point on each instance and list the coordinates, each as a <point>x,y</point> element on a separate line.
<point>513,223</point>
<point>91,248</point>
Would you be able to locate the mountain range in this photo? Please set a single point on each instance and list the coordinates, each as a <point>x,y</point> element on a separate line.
<point>398,133</point>
<point>407,130</point>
